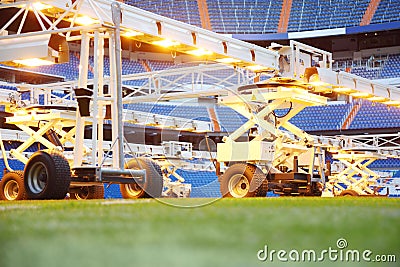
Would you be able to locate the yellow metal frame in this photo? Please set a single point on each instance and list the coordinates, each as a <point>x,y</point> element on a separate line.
<point>356,175</point>
<point>270,99</point>
<point>43,120</point>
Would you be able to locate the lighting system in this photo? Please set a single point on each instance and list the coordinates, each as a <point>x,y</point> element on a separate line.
<point>377,99</point>
<point>350,84</point>
<point>392,103</point>
<point>40,6</point>
<point>199,52</point>
<point>361,94</point>
<point>166,43</point>
<point>228,60</point>
<point>37,50</point>
<point>319,83</point>
<point>33,62</point>
<point>132,33</point>
<point>256,67</point>
<point>85,20</point>
<point>343,90</point>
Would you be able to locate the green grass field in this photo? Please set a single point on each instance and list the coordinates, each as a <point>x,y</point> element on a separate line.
<point>228,232</point>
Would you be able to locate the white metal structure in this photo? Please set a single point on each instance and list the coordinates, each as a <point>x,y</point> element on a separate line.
<point>106,20</point>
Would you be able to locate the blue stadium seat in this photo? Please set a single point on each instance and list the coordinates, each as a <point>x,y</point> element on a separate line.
<point>387,11</point>
<point>376,115</point>
<point>204,183</point>
<point>183,10</point>
<point>309,15</point>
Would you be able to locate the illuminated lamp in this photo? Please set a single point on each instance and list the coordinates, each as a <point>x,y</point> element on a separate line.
<point>166,43</point>
<point>256,67</point>
<point>343,90</point>
<point>361,94</point>
<point>392,103</point>
<point>33,62</point>
<point>132,33</point>
<point>85,20</point>
<point>228,60</point>
<point>40,6</point>
<point>199,52</point>
<point>319,83</point>
<point>37,50</point>
<point>377,99</point>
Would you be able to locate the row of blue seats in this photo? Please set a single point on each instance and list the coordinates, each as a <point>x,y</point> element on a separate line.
<point>70,70</point>
<point>376,115</point>
<point>390,163</point>
<point>8,87</point>
<point>204,185</point>
<point>183,111</point>
<point>246,16</point>
<point>310,119</point>
<point>183,10</point>
<point>325,14</point>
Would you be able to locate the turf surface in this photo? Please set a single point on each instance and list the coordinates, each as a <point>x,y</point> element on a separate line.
<point>228,232</point>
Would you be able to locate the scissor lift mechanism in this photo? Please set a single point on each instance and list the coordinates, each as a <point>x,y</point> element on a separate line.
<point>356,164</point>
<point>270,148</point>
<point>272,155</point>
<point>274,152</point>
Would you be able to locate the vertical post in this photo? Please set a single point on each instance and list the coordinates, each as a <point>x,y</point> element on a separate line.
<point>112,91</point>
<point>292,59</point>
<point>97,107</point>
<point>100,113</point>
<point>116,16</point>
<point>324,60</point>
<point>82,83</point>
<point>297,62</point>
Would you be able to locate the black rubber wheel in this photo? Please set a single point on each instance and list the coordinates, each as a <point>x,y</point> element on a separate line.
<point>349,193</point>
<point>47,175</point>
<point>243,180</point>
<point>153,185</point>
<point>87,192</point>
<point>12,186</point>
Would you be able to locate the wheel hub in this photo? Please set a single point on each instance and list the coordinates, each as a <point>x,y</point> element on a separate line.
<point>133,189</point>
<point>37,177</point>
<point>11,190</point>
<point>83,193</point>
<point>238,186</point>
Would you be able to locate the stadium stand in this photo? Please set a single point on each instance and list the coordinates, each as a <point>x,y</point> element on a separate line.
<point>310,119</point>
<point>317,118</point>
<point>160,65</point>
<point>322,14</point>
<point>229,120</point>
<point>181,10</point>
<point>112,191</point>
<point>244,16</point>
<point>8,87</point>
<point>387,66</point>
<point>69,70</point>
<point>391,68</point>
<point>183,111</point>
<point>204,183</point>
<point>376,115</point>
<point>386,164</point>
<point>388,11</point>
<point>14,164</point>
